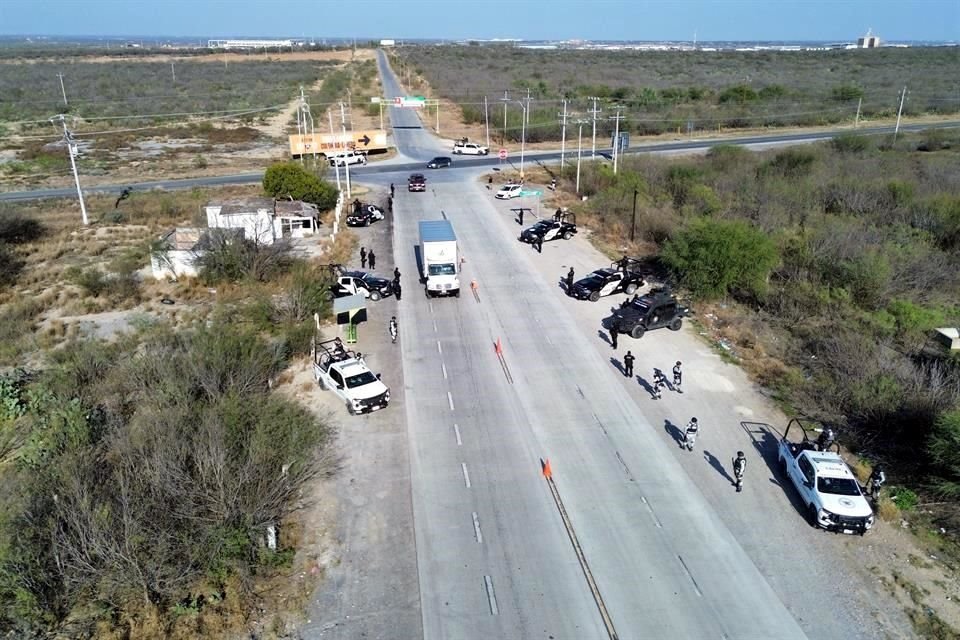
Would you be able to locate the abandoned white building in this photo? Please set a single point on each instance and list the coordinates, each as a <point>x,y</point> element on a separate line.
<point>264,220</point>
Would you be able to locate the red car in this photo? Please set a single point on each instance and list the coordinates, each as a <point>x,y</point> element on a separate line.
<point>416,182</point>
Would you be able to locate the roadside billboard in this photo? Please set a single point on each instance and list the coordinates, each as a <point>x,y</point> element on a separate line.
<point>366,141</point>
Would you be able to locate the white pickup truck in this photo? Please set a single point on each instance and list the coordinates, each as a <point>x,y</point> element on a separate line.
<point>829,490</point>
<point>341,371</point>
<point>470,148</point>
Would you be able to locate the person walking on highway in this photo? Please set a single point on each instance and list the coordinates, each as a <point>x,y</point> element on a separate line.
<point>539,244</point>
<point>363,257</point>
<point>397,290</point>
<point>691,433</point>
<point>396,275</point>
<point>393,329</point>
<point>391,190</point>
<point>520,215</point>
<point>570,281</point>
<point>739,468</point>
<point>372,257</point>
<point>356,205</point>
<point>628,364</point>
<point>677,377</point>
<point>613,337</point>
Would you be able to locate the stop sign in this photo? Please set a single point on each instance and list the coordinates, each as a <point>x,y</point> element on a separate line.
<point>503,154</point>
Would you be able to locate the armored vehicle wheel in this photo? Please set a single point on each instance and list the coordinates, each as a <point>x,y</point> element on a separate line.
<point>374,295</point>
<point>675,324</point>
<point>637,332</point>
<point>567,235</point>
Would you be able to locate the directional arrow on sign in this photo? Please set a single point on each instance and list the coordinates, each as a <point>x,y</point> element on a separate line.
<point>365,140</point>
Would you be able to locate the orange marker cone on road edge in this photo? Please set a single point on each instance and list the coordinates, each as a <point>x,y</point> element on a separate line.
<point>499,348</point>
<point>473,285</point>
<point>547,472</point>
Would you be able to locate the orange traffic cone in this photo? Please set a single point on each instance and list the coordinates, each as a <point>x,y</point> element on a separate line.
<point>499,348</point>
<point>547,472</point>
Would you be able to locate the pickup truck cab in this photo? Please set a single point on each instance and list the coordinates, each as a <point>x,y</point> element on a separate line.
<point>341,371</point>
<point>351,283</point>
<point>416,182</point>
<point>470,148</point>
<point>827,487</point>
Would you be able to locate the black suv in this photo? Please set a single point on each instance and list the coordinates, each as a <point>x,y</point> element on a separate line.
<point>654,310</point>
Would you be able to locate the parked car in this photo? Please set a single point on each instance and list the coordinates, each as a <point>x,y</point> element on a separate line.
<point>343,372</point>
<point>350,283</point>
<point>564,226</point>
<point>439,162</point>
<point>368,214</point>
<point>416,182</point>
<point>605,282</point>
<point>653,310</point>
<point>509,191</point>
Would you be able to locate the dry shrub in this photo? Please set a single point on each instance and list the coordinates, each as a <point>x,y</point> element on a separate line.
<point>285,378</point>
<point>888,510</point>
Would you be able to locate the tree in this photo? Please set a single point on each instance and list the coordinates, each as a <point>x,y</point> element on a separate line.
<point>289,179</point>
<point>714,257</point>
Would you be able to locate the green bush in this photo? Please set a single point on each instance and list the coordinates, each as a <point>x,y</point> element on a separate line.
<point>846,92</point>
<point>740,94</point>
<point>716,257</point>
<point>850,143</point>
<point>289,179</point>
<point>943,447</point>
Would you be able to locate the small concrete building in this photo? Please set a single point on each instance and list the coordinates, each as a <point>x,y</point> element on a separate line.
<point>264,220</point>
<point>178,259</point>
<point>868,41</point>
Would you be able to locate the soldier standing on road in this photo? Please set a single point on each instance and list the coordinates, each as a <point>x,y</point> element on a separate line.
<point>570,281</point>
<point>520,215</point>
<point>363,257</point>
<point>558,214</point>
<point>372,257</point>
<point>628,364</point>
<point>613,337</point>
<point>691,433</point>
<point>396,275</point>
<point>391,190</point>
<point>739,468</point>
<point>659,382</point>
<point>396,289</point>
<point>393,328</point>
<point>677,377</point>
<point>539,244</point>
<point>390,204</point>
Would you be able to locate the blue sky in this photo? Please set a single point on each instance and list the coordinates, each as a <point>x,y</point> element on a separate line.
<point>840,20</point>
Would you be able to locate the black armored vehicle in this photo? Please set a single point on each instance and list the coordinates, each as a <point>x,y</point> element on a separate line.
<point>656,309</point>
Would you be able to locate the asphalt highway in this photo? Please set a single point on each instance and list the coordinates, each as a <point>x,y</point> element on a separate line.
<point>495,558</point>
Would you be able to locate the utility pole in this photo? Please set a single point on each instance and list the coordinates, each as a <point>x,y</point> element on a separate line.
<point>350,101</point>
<point>633,223</point>
<point>594,111</point>
<point>526,114</point>
<point>563,137</point>
<point>173,72</point>
<point>336,167</point>
<point>579,141</point>
<point>896,130</point>
<point>616,140</point>
<point>486,119</point>
<point>523,136</point>
<point>71,149</point>
<point>62,90</point>
<point>856,122</point>
<point>505,99</point>
<point>438,115</point>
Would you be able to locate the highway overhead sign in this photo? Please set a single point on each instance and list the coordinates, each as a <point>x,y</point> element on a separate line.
<point>415,102</point>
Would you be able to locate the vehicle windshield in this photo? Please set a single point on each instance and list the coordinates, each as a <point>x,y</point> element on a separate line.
<point>447,269</point>
<point>360,379</point>
<point>838,486</point>
<point>592,280</point>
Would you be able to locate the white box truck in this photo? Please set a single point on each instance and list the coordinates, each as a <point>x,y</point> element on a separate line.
<point>439,258</point>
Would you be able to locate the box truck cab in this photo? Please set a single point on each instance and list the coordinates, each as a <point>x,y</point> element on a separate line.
<point>439,258</point>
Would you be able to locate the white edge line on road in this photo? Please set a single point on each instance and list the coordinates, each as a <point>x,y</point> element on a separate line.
<point>696,587</point>
<point>656,520</point>
<point>466,474</point>
<point>444,367</point>
<point>431,307</point>
<point>456,432</point>
<point>439,348</point>
<point>491,596</point>
<point>450,400</point>
<point>434,326</point>
<point>476,528</point>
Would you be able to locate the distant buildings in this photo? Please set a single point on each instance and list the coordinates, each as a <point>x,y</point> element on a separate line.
<point>868,41</point>
<point>253,44</point>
